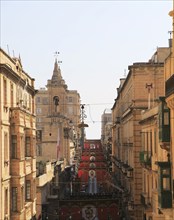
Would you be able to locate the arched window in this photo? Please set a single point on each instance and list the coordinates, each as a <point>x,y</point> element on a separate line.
<point>56,102</point>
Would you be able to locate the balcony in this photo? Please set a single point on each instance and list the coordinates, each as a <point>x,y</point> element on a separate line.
<point>169,86</point>
<point>45,173</point>
<point>165,186</point>
<point>115,161</point>
<point>146,201</point>
<point>124,168</point>
<point>117,120</point>
<point>120,164</point>
<point>164,125</point>
<point>127,170</point>
<point>44,179</point>
<point>146,158</point>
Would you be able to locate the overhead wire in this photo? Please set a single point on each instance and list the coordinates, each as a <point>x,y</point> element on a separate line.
<point>78,104</point>
<point>90,114</point>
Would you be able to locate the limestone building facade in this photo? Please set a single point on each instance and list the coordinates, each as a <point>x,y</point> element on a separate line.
<point>139,91</point>
<point>156,196</point>
<point>58,116</point>
<point>17,141</point>
<point>157,155</point>
<point>166,167</point>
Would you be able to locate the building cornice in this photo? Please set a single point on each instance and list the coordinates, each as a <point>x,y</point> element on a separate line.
<point>7,70</point>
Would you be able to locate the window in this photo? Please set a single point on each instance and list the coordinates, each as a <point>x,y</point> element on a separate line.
<point>30,102</point>
<point>147,141</point>
<point>45,101</point>
<point>70,99</point>
<point>144,186</point>
<point>22,197</point>
<point>22,146</point>
<point>155,142</point>
<point>32,106</point>
<point>39,135</point>
<point>38,119</point>
<point>166,183</point>
<point>150,139</point>
<point>166,172</point>
<point>11,94</point>
<point>14,199</point>
<point>38,111</point>
<point>166,118</point>
<point>28,189</point>
<point>38,99</point>
<point>6,201</point>
<point>34,188</point>
<point>5,92</point>
<point>25,99</point>
<point>27,147</point>
<point>5,147</point>
<point>143,140</point>
<point>14,146</point>
<point>118,135</point>
<point>56,100</point>
<point>39,150</point>
<point>70,110</point>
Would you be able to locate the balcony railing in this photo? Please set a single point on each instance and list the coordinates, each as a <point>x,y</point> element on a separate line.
<point>146,158</point>
<point>124,168</point>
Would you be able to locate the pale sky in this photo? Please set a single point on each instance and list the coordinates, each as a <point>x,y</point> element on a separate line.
<point>97,41</point>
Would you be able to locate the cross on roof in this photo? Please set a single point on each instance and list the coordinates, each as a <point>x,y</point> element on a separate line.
<point>56,53</point>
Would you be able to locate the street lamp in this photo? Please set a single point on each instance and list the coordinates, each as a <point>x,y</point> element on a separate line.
<point>82,125</point>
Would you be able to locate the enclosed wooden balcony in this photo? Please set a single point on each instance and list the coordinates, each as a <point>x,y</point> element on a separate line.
<point>164,125</point>
<point>164,187</point>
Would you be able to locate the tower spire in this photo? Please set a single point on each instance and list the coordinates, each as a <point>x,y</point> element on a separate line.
<point>56,67</point>
<point>57,77</point>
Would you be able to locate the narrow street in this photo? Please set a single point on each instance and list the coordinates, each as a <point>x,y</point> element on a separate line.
<point>90,194</point>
